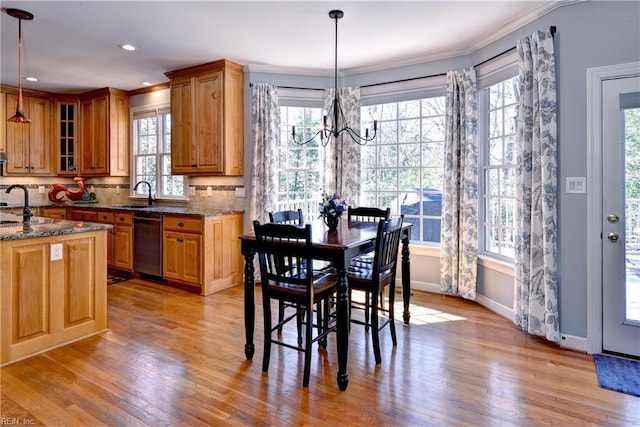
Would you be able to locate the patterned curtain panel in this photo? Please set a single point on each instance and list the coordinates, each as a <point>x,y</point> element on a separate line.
<point>536,278</point>
<point>265,122</point>
<point>459,231</point>
<point>343,154</point>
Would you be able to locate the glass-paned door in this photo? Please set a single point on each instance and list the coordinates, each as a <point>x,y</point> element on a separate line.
<point>621,216</point>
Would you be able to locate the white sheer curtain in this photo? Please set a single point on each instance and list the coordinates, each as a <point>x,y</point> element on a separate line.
<point>265,122</point>
<point>536,272</point>
<point>343,154</point>
<point>459,231</point>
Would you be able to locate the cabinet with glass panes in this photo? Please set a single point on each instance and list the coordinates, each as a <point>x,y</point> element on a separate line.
<point>66,140</point>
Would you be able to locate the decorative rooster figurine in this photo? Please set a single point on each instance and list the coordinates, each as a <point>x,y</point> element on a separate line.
<point>75,195</point>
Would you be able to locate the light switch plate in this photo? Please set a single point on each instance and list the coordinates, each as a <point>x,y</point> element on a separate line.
<point>192,190</point>
<point>40,189</point>
<point>576,184</point>
<point>209,191</point>
<point>240,192</point>
<point>56,251</point>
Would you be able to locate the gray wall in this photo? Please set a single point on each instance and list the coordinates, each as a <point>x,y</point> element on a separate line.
<point>589,34</point>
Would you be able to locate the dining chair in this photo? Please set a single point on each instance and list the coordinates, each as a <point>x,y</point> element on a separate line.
<point>294,217</point>
<point>298,284</point>
<point>287,217</point>
<point>373,278</point>
<point>366,214</point>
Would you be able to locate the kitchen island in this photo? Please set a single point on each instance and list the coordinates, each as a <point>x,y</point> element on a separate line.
<point>53,284</point>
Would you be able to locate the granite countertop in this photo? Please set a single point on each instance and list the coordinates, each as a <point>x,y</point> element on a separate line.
<point>177,210</point>
<point>12,227</point>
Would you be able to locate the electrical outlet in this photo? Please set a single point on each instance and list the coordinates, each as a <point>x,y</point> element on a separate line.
<point>92,189</point>
<point>41,189</point>
<point>117,189</point>
<point>56,251</point>
<point>192,190</point>
<point>209,192</point>
<point>240,192</point>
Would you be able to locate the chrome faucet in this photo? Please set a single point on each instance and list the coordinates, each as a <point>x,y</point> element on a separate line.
<point>26,212</point>
<point>148,185</point>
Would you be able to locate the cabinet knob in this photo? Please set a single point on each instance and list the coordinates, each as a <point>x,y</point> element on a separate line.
<point>180,224</point>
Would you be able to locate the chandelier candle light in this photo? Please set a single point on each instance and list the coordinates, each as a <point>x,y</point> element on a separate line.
<point>19,116</point>
<point>335,112</point>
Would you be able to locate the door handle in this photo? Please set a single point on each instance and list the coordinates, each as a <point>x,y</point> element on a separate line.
<point>613,237</point>
<point>613,218</point>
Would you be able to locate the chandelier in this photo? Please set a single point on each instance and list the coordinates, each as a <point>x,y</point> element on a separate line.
<point>335,111</point>
<point>19,116</point>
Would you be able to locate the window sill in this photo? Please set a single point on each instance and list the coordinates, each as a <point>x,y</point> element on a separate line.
<point>486,261</point>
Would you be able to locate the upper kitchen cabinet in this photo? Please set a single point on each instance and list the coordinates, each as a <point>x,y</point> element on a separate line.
<point>28,146</point>
<point>66,137</point>
<point>104,133</point>
<point>207,119</point>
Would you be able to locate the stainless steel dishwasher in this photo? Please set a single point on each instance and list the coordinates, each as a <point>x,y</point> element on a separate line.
<point>147,243</point>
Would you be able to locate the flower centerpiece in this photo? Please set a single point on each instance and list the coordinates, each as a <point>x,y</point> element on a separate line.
<point>331,209</point>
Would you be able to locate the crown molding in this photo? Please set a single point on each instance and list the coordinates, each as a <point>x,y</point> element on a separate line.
<point>544,9</point>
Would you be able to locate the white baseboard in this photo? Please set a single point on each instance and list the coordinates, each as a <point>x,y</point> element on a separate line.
<point>496,307</point>
<point>573,343</point>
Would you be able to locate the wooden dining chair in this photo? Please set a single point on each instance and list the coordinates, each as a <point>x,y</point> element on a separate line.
<point>373,278</point>
<point>294,217</point>
<point>287,217</point>
<point>367,214</point>
<point>298,284</point>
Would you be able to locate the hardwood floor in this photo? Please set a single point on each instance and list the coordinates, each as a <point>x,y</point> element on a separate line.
<point>177,359</point>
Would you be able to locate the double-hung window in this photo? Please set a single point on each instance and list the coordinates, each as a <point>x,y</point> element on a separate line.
<point>498,109</point>
<point>300,166</point>
<point>152,154</point>
<point>403,167</point>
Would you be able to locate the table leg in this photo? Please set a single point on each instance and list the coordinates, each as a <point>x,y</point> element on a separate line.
<point>342,324</point>
<point>406,279</point>
<point>249,306</point>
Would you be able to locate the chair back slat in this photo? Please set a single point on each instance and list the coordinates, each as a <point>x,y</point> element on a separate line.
<point>368,214</point>
<point>387,243</point>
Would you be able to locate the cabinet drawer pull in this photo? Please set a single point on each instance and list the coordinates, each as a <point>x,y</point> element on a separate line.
<point>180,224</point>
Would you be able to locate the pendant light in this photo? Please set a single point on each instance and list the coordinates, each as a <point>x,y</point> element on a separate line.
<point>335,114</point>
<point>19,116</point>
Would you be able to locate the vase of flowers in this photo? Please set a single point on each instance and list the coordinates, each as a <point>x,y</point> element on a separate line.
<point>332,207</point>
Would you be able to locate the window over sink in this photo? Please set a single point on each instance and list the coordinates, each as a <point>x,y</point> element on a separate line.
<point>152,154</point>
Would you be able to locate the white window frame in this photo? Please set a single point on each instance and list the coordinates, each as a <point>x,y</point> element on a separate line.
<point>160,156</point>
<point>484,198</point>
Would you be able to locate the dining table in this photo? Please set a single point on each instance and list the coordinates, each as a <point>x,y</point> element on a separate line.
<point>340,246</point>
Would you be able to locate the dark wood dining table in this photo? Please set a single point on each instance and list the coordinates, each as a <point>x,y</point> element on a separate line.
<point>351,239</point>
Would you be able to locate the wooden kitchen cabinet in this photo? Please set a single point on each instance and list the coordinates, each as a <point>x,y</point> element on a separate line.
<point>202,253</point>
<point>54,212</point>
<point>119,238</point>
<point>104,133</point>
<point>28,146</point>
<point>66,153</point>
<point>123,241</point>
<point>47,303</point>
<point>207,119</point>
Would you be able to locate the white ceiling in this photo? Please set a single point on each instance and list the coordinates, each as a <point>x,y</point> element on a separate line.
<point>72,46</point>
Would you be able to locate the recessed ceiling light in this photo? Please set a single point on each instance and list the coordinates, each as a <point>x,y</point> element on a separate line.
<point>31,79</point>
<point>128,47</point>
<point>146,83</point>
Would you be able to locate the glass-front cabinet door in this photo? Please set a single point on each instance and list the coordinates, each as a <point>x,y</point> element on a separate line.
<point>66,143</point>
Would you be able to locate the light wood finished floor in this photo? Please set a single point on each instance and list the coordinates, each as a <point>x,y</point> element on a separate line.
<point>173,358</point>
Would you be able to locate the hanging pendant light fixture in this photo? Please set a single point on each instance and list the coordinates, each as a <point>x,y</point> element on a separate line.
<point>19,116</point>
<point>335,111</point>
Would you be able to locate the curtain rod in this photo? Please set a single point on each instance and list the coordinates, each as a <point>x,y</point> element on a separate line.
<point>552,29</point>
<point>553,32</point>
